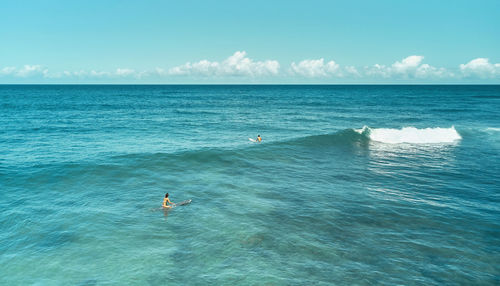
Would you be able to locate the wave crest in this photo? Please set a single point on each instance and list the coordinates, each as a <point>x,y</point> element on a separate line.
<point>410,135</point>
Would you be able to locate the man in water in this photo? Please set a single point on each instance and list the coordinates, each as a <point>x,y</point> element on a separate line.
<point>259,139</point>
<point>167,200</point>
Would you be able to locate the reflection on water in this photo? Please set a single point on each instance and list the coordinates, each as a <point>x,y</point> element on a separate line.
<point>166,211</point>
<point>416,174</point>
<point>389,150</point>
<point>395,158</point>
<point>389,194</point>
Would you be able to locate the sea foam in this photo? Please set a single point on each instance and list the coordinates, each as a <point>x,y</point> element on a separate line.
<point>493,129</point>
<point>411,135</point>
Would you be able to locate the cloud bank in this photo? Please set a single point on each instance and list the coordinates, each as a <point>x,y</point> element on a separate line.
<point>240,66</point>
<point>24,72</point>
<point>407,68</point>
<point>236,65</point>
<point>315,68</point>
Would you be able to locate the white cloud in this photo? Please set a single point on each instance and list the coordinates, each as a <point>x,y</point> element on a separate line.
<point>428,71</point>
<point>94,73</point>
<point>80,73</point>
<point>350,70</point>
<point>125,72</point>
<point>119,72</point>
<point>315,68</point>
<point>378,70</point>
<point>480,67</point>
<point>203,67</point>
<point>7,70</point>
<point>236,65</point>
<point>25,71</point>
<point>409,67</point>
<point>29,70</point>
<point>408,64</point>
<point>160,72</point>
<point>36,70</point>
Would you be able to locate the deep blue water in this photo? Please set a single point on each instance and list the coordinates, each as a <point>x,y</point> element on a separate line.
<point>351,185</point>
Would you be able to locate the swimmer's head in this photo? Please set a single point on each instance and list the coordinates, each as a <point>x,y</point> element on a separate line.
<point>166,195</point>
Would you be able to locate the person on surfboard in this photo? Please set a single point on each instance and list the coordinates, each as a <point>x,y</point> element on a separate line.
<point>258,140</point>
<point>167,200</point>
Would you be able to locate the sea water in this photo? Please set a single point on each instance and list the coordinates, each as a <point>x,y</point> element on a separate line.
<point>351,185</point>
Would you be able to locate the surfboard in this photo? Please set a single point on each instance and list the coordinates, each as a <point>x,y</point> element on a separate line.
<point>253,140</point>
<point>183,203</point>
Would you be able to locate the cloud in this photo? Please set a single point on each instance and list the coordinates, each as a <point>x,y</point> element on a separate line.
<point>25,71</point>
<point>378,70</point>
<point>160,72</point>
<point>318,68</point>
<point>236,65</point>
<point>118,73</point>
<point>350,70</point>
<point>480,67</point>
<point>125,72</point>
<point>408,64</point>
<point>80,74</point>
<point>30,70</point>
<point>239,65</point>
<point>409,67</point>
<point>315,68</point>
<point>428,71</point>
<point>7,71</point>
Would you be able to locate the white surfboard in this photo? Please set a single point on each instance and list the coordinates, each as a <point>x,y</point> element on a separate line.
<point>253,140</point>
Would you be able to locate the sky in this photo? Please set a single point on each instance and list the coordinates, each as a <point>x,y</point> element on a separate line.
<point>291,42</point>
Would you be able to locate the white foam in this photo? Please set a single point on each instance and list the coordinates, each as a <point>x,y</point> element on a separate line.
<point>493,129</point>
<point>363,130</point>
<point>411,135</point>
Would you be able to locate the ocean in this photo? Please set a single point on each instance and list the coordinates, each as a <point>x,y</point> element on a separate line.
<point>351,184</point>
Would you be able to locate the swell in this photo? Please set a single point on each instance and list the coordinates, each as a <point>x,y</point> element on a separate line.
<point>360,137</point>
<point>248,156</point>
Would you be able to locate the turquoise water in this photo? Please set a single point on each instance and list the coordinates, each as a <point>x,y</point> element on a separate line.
<point>351,185</point>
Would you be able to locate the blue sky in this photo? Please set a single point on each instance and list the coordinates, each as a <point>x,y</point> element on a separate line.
<point>249,41</point>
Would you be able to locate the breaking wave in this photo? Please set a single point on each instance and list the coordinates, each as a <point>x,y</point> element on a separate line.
<point>411,135</point>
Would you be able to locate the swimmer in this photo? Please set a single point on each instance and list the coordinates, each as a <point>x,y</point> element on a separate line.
<point>259,139</point>
<point>167,200</point>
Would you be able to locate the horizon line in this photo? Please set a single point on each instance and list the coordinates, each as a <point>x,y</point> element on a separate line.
<point>235,84</point>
